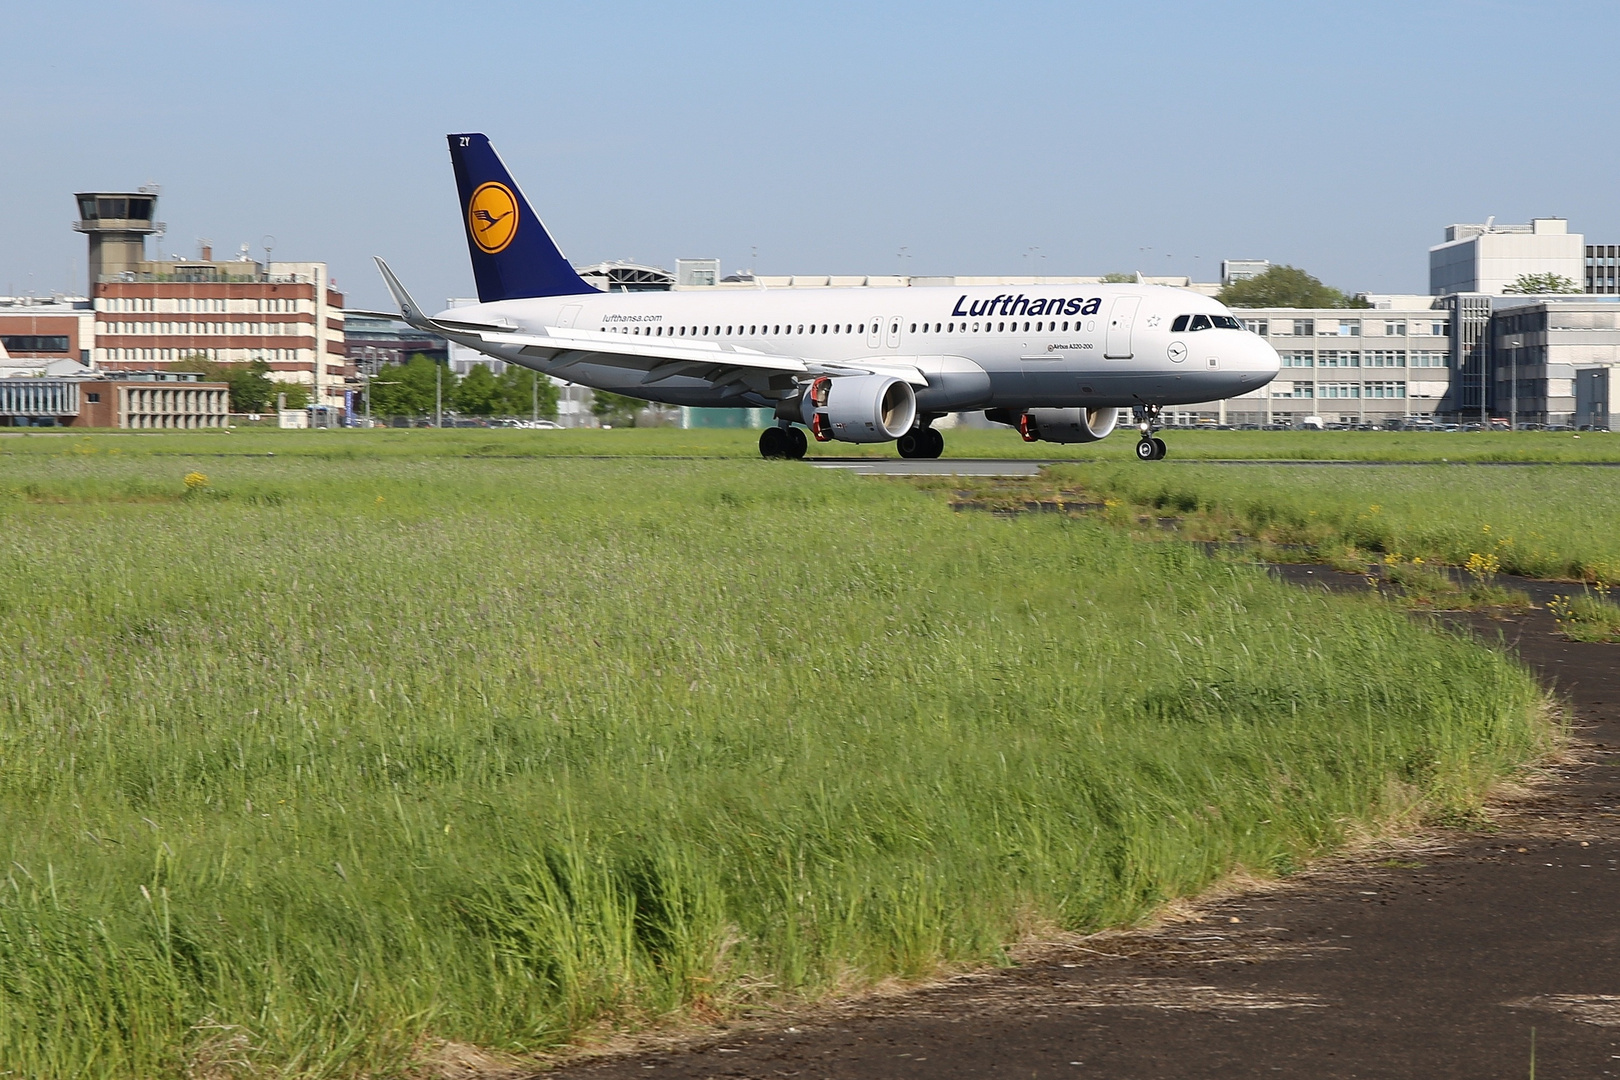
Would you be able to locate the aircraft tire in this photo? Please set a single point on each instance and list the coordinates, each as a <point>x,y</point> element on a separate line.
<point>1146,450</point>
<point>773,443</point>
<point>1159,449</point>
<point>934,445</point>
<point>912,444</point>
<point>797,443</point>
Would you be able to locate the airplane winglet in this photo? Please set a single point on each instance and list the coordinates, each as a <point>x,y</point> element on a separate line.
<point>407,307</point>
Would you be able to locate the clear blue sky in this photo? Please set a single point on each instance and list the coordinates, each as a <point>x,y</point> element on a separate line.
<point>981,138</point>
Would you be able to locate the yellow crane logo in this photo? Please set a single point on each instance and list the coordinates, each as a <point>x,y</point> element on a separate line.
<point>492,217</point>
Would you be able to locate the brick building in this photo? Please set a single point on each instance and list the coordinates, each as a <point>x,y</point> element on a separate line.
<point>37,332</point>
<point>150,313</point>
<point>157,399</point>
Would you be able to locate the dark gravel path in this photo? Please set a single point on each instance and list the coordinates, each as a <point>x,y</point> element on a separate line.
<point>1432,959</point>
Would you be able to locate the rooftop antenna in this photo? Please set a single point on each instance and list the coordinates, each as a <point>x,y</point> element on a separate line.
<point>268,242</point>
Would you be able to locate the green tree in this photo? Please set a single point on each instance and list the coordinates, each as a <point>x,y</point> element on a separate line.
<point>1117,278</point>
<point>518,393</point>
<point>478,394</point>
<point>251,390</point>
<point>297,395</point>
<point>1541,284</point>
<point>407,389</point>
<point>615,409</point>
<point>1285,286</point>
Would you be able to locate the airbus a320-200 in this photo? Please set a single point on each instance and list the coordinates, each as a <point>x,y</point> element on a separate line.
<point>863,365</point>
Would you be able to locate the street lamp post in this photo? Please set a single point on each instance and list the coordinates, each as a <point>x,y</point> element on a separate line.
<point>1513,393</point>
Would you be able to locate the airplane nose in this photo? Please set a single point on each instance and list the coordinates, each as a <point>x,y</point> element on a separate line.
<point>1266,361</point>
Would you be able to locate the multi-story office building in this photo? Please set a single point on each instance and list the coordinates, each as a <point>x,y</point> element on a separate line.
<point>1541,348</point>
<point>1242,269</point>
<point>45,333</point>
<point>1489,258</point>
<point>1603,269</point>
<point>151,313</point>
<point>372,342</point>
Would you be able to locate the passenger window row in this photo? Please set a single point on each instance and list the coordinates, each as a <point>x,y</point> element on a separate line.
<point>780,329</point>
<point>756,330</point>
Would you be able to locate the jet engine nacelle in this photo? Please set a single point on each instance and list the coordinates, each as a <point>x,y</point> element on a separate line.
<point>858,408</point>
<point>1067,425</point>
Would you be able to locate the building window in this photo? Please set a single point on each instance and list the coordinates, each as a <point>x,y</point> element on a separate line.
<point>1394,329</point>
<point>1304,327</point>
<point>1293,390</point>
<point>93,398</point>
<point>1384,358</point>
<point>1386,390</point>
<point>1338,358</point>
<point>1257,326</point>
<point>1339,390</point>
<point>1297,359</point>
<point>34,343</point>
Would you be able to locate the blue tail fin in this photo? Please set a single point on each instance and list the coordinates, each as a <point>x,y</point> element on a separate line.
<point>513,257</point>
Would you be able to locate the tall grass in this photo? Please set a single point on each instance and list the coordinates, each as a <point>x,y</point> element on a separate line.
<point>1539,521</point>
<point>314,764</point>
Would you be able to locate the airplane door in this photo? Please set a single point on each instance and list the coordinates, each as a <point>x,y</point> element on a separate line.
<point>1120,321</point>
<point>565,321</point>
<point>874,332</point>
<point>894,332</point>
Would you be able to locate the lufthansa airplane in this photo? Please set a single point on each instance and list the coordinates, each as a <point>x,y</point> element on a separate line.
<point>1058,362</point>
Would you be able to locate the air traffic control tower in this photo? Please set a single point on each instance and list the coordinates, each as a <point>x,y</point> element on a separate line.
<point>118,223</point>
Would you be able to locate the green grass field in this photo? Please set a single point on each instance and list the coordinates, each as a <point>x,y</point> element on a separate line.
<point>1185,445</point>
<point>369,745</point>
<point>1537,520</point>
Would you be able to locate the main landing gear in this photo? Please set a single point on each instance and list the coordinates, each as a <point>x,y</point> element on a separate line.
<point>783,442</point>
<point>921,442</point>
<point>1150,447</point>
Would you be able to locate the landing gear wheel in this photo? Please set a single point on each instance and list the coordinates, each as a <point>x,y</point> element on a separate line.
<point>797,443</point>
<point>920,442</point>
<point>773,443</point>
<point>1150,447</point>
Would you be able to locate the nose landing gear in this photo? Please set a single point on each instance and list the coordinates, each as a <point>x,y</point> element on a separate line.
<point>1150,447</point>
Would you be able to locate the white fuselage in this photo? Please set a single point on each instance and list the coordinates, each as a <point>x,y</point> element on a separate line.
<point>1033,346</point>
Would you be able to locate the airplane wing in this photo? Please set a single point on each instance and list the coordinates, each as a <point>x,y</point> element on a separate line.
<point>723,365</point>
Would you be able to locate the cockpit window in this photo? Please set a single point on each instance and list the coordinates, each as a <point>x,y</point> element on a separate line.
<point>1184,323</point>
